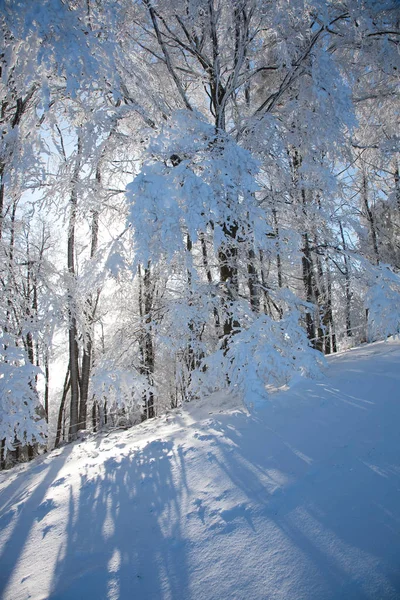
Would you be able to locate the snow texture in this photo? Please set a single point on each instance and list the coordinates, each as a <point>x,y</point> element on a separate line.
<point>297,500</point>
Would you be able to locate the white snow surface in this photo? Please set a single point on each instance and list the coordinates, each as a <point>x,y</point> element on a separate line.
<point>298,500</point>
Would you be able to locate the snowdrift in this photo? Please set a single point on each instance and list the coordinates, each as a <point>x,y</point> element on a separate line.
<point>298,500</point>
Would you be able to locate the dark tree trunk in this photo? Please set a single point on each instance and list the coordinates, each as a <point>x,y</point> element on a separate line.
<point>105,413</point>
<point>2,454</point>
<point>321,299</point>
<point>46,386</point>
<point>370,218</point>
<point>61,410</point>
<point>73,330</point>
<point>84,384</point>
<point>253,282</point>
<point>146,293</point>
<point>227,256</point>
<point>209,279</point>
<point>332,337</point>
<point>397,184</point>
<point>278,250</point>
<point>347,288</point>
<point>191,359</point>
<point>94,416</point>
<point>307,265</point>
<point>74,383</point>
<point>91,306</point>
<point>2,167</point>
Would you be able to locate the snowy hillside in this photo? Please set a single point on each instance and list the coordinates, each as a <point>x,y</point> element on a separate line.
<point>298,500</point>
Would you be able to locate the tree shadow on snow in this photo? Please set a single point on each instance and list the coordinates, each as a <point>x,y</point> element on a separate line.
<point>340,505</point>
<point>27,506</point>
<point>123,537</point>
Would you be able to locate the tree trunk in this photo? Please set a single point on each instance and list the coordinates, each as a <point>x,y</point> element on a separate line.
<point>307,265</point>
<point>321,300</point>
<point>74,373</point>
<point>46,385</point>
<point>2,168</point>
<point>67,385</point>
<point>209,279</point>
<point>332,337</point>
<point>90,312</point>
<point>397,184</point>
<point>349,331</point>
<point>94,415</point>
<point>227,256</point>
<point>84,384</point>
<point>2,454</point>
<point>370,218</point>
<point>73,330</point>
<point>190,361</point>
<point>278,250</point>
<point>146,342</point>
<point>253,282</point>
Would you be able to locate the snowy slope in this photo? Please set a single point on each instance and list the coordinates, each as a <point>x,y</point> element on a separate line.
<point>299,500</point>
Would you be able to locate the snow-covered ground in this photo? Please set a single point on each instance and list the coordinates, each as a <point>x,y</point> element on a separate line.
<point>298,500</point>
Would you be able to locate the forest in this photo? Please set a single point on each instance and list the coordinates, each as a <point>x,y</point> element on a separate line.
<point>195,195</point>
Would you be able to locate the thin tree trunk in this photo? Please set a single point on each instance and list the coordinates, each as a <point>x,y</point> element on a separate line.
<point>228,270</point>
<point>190,350</point>
<point>74,374</point>
<point>84,384</point>
<point>29,280</point>
<point>266,298</point>
<point>397,184</point>
<point>146,342</point>
<point>2,454</point>
<point>332,339</point>
<point>149,349</point>
<point>320,294</point>
<point>349,330</point>
<point>370,218</point>
<point>67,385</point>
<point>306,259</point>
<point>94,416</point>
<point>314,333</point>
<point>278,250</point>
<point>253,282</point>
<point>105,413</point>
<point>73,330</point>
<point>209,279</point>
<point>10,276</point>
<point>325,332</point>
<point>2,168</point>
<point>46,385</point>
<point>87,356</point>
<point>308,286</point>
<point>91,305</point>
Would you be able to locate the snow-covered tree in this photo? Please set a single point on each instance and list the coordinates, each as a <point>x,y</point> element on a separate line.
<point>258,144</point>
